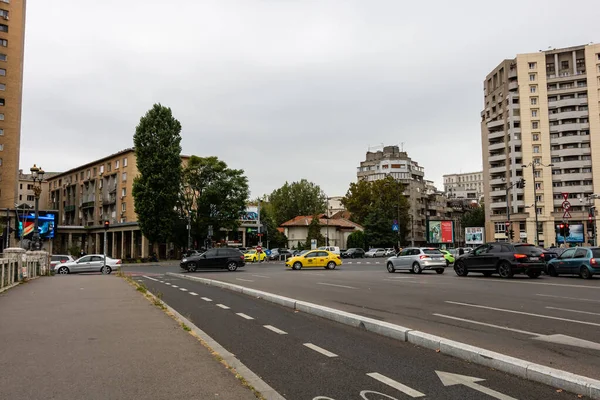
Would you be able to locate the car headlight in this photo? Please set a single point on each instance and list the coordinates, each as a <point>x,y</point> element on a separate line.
<point>184,260</point>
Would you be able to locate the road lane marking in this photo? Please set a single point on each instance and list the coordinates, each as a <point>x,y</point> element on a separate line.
<point>321,350</point>
<point>449,379</point>
<point>402,277</point>
<point>331,284</point>
<point>573,311</point>
<point>245,280</point>
<point>396,385</point>
<point>486,324</point>
<point>276,330</point>
<point>152,279</point>
<point>194,294</point>
<point>175,286</point>
<point>244,315</point>
<point>543,283</point>
<point>206,299</point>
<point>223,306</point>
<point>568,298</point>
<point>262,276</point>
<point>167,283</point>
<point>183,289</point>
<point>524,313</point>
<point>162,281</point>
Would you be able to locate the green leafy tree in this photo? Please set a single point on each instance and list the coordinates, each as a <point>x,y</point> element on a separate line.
<point>356,239</point>
<point>214,194</point>
<point>473,218</point>
<point>156,189</point>
<point>275,238</point>
<point>314,232</point>
<point>297,198</point>
<point>375,205</point>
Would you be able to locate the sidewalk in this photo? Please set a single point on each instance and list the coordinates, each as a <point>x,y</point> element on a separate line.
<point>95,337</point>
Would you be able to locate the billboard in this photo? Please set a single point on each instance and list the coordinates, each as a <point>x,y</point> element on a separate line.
<point>575,234</point>
<point>251,214</point>
<point>46,224</point>
<point>474,235</point>
<point>441,231</point>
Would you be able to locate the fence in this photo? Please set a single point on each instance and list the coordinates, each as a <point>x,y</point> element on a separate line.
<point>9,273</point>
<point>16,265</point>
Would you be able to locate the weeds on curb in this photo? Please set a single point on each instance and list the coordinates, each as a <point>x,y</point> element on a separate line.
<point>185,327</point>
<point>142,288</point>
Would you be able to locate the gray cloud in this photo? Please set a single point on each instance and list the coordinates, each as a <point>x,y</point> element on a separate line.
<point>283,89</point>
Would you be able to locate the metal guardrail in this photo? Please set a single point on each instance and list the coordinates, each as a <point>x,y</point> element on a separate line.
<point>9,273</point>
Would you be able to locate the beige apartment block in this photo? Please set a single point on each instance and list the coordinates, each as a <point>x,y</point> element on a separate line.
<point>541,123</point>
<point>25,195</point>
<point>12,36</point>
<point>90,194</point>
<point>468,185</point>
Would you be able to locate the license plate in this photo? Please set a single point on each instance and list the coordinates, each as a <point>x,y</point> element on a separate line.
<point>534,258</point>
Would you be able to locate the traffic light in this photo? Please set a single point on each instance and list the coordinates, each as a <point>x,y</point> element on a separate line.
<point>521,184</point>
<point>106,225</point>
<point>512,234</point>
<point>567,231</point>
<point>561,231</point>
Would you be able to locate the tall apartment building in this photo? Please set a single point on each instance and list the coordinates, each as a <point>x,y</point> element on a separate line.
<point>12,38</point>
<point>25,190</point>
<point>464,186</point>
<point>541,123</point>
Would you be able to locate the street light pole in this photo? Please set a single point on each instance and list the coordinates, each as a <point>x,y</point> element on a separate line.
<point>37,175</point>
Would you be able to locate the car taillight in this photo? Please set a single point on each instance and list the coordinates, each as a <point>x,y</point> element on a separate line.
<point>424,257</point>
<point>593,261</point>
<point>242,257</point>
<point>520,256</point>
<point>118,261</point>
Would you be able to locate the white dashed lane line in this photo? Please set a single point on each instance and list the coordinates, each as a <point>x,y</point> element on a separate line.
<point>244,315</point>
<point>206,299</point>
<point>175,286</point>
<point>223,306</point>
<point>244,280</point>
<point>396,385</point>
<point>183,289</point>
<point>321,350</point>
<point>340,286</point>
<point>261,276</point>
<point>276,330</point>
<point>194,294</point>
<point>152,279</point>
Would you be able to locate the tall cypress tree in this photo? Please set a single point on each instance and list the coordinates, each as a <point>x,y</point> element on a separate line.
<point>156,189</point>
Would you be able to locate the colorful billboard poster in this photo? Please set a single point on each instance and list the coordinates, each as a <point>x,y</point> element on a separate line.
<point>441,231</point>
<point>251,214</point>
<point>46,224</point>
<point>474,235</point>
<point>575,234</point>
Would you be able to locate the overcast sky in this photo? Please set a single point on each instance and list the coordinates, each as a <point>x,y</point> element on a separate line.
<point>284,89</point>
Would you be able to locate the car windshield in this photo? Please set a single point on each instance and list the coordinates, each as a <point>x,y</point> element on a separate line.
<point>431,251</point>
<point>529,250</point>
<point>251,252</point>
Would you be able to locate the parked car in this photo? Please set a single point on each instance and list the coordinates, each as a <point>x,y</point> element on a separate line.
<point>332,249</point>
<point>243,249</point>
<point>504,259</point>
<point>582,261</point>
<point>223,258</point>
<point>549,254</point>
<point>390,252</point>
<point>417,259</point>
<point>448,257</point>
<point>90,263</point>
<point>299,252</point>
<point>254,256</point>
<point>60,259</point>
<point>315,259</point>
<point>279,254</point>
<point>375,253</point>
<point>353,253</point>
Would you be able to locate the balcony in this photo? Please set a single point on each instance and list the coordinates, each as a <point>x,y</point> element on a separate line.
<point>572,152</point>
<point>572,164</point>
<point>497,146</point>
<point>579,176</point>
<point>569,127</point>
<point>499,204</point>
<point>568,102</point>
<point>568,115</point>
<point>497,181</point>
<point>571,89</point>
<point>495,124</point>
<point>497,170</point>
<point>70,208</point>
<point>497,157</point>
<point>88,204</point>
<point>498,193</point>
<point>496,135</point>
<point>513,85</point>
<point>108,200</point>
<point>570,139</point>
<point>565,76</point>
<point>574,189</point>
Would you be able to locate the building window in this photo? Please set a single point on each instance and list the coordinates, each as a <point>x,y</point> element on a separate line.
<point>0,161</point>
<point>102,169</point>
<point>537,174</point>
<point>123,192</point>
<point>538,186</point>
<point>1,117</point>
<point>124,176</point>
<point>1,132</point>
<point>4,13</point>
<point>531,77</point>
<point>117,164</point>
<point>499,227</point>
<point>539,211</point>
<point>30,198</point>
<point>2,72</point>
<point>535,137</point>
<point>532,65</point>
<point>564,64</point>
<point>538,198</point>
<point>125,162</point>
<point>532,89</point>
<point>534,113</point>
<point>534,101</point>
<point>108,167</point>
<point>535,125</point>
<point>3,42</point>
<point>3,28</point>
<point>2,57</point>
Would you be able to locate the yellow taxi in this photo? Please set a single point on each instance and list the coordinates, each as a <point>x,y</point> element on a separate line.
<point>314,259</point>
<point>254,256</point>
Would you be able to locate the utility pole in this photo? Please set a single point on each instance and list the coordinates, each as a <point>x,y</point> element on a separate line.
<point>189,231</point>
<point>412,231</point>
<point>258,222</point>
<point>106,226</point>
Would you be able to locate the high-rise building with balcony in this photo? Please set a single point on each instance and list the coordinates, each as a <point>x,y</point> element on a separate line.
<point>467,185</point>
<point>12,37</point>
<point>541,123</point>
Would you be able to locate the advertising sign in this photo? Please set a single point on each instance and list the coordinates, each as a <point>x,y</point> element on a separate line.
<point>251,214</point>
<point>575,234</point>
<point>474,235</point>
<point>46,224</point>
<point>441,231</point>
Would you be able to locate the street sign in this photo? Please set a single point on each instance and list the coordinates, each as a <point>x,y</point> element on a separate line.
<point>566,205</point>
<point>566,214</point>
<point>507,223</point>
<point>565,196</point>
<point>395,227</point>
<point>259,249</point>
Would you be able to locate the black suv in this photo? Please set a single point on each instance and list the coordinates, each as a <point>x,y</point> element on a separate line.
<point>505,259</point>
<point>354,253</point>
<point>214,258</point>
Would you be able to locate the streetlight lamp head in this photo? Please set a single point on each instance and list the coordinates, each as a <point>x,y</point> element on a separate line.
<point>41,173</point>
<point>34,170</point>
<point>551,165</point>
<point>524,166</point>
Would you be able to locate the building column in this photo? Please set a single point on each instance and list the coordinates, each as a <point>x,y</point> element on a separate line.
<point>133,254</point>
<point>244,237</point>
<point>123,255</point>
<point>113,253</point>
<point>69,241</point>
<point>144,247</point>
<point>556,66</point>
<point>575,64</point>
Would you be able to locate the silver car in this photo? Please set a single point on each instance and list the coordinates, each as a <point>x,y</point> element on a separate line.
<point>375,253</point>
<point>417,259</point>
<point>60,259</point>
<point>90,263</point>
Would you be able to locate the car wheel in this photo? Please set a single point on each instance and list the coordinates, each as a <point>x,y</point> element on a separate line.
<point>191,267</point>
<point>297,265</point>
<point>585,273</point>
<point>390,268</point>
<point>352,256</point>
<point>505,270</point>
<point>107,268</point>
<point>232,266</point>
<point>331,265</point>
<point>63,270</point>
<point>534,274</point>
<point>487,274</point>
<point>460,268</point>
<point>440,270</point>
<point>447,263</point>
<point>416,268</point>
<point>552,271</point>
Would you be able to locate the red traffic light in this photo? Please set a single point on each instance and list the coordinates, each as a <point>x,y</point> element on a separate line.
<point>507,223</point>
<point>562,226</point>
<point>106,224</point>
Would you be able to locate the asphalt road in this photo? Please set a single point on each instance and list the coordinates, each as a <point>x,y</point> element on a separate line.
<point>308,358</point>
<point>550,321</point>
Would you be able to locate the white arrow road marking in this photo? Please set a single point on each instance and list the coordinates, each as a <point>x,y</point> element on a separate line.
<point>223,306</point>
<point>560,339</point>
<point>573,311</point>
<point>276,330</point>
<point>524,313</point>
<point>396,385</point>
<point>321,350</point>
<point>194,294</point>
<point>244,316</point>
<point>449,379</point>
<point>205,299</point>
<point>331,284</point>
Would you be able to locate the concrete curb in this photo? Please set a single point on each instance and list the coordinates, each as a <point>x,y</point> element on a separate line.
<point>253,380</point>
<point>524,369</point>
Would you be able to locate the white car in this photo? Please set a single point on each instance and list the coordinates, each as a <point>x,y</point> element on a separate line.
<point>375,253</point>
<point>89,263</point>
<point>60,259</point>
<point>332,249</point>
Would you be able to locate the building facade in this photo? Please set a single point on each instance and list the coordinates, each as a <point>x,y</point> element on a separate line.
<point>334,230</point>
<point>25,195</point>
<point>464,186</point>
<point>541,123</point>
<point>12,37</point>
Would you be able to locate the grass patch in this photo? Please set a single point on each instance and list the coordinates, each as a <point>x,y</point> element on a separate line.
<point>142,288</point>
<point>185,327</point>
